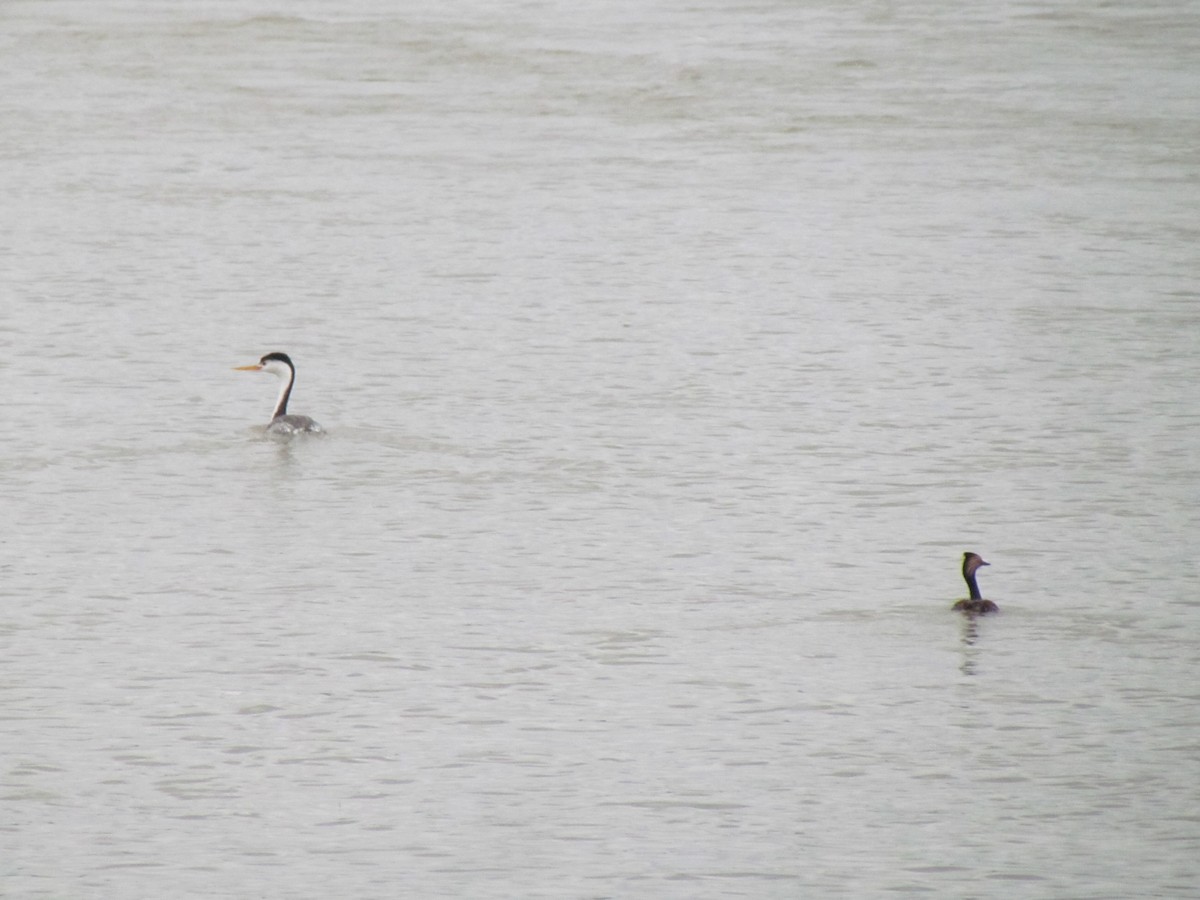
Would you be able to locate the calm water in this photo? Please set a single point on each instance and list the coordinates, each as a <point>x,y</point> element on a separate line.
<point>672,354</point>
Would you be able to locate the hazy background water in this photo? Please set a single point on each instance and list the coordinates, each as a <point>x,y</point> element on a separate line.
<point>671,355</point>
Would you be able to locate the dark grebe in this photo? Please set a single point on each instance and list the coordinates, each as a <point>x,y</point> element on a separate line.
<point>282,424</point>
<point>975,603</point>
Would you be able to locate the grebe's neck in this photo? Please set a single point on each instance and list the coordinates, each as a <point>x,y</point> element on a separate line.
<point>972,586</point>
<point>286,379</point>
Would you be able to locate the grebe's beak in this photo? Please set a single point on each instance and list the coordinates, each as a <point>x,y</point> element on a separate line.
<point>982,562</point>
<point>257,367</point>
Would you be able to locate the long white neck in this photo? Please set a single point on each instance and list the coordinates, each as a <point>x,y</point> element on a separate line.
<point>287,376</point>
<point>285,389</point>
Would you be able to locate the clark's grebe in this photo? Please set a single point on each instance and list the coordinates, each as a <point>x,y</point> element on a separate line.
<point>282,424</point>
<point>975,603</point>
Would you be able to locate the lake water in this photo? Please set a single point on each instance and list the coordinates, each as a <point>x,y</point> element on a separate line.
<point>671,355</point>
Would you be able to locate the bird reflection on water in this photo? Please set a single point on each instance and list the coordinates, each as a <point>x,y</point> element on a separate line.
<point>970,635</point>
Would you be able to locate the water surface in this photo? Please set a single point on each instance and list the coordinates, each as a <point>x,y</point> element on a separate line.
<point>671,357</point>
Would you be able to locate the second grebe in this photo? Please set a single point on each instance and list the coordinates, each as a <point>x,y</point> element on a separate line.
<point>282,424</point>
<point>975,603</point>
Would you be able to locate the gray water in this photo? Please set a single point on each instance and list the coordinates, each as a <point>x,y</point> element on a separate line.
<point>671,356</point>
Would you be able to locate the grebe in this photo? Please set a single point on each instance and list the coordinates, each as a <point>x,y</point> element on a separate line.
<point>975,603</point>
<point>282,424</point>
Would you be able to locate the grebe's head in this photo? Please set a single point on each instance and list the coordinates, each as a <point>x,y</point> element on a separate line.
<point>276,363</point>
<point>971,563</point>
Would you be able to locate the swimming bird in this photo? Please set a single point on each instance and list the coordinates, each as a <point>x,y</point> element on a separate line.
<point>282,424</point>
<point>975,603</point>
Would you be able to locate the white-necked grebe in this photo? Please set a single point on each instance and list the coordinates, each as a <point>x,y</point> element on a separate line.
<point>282,424</point>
